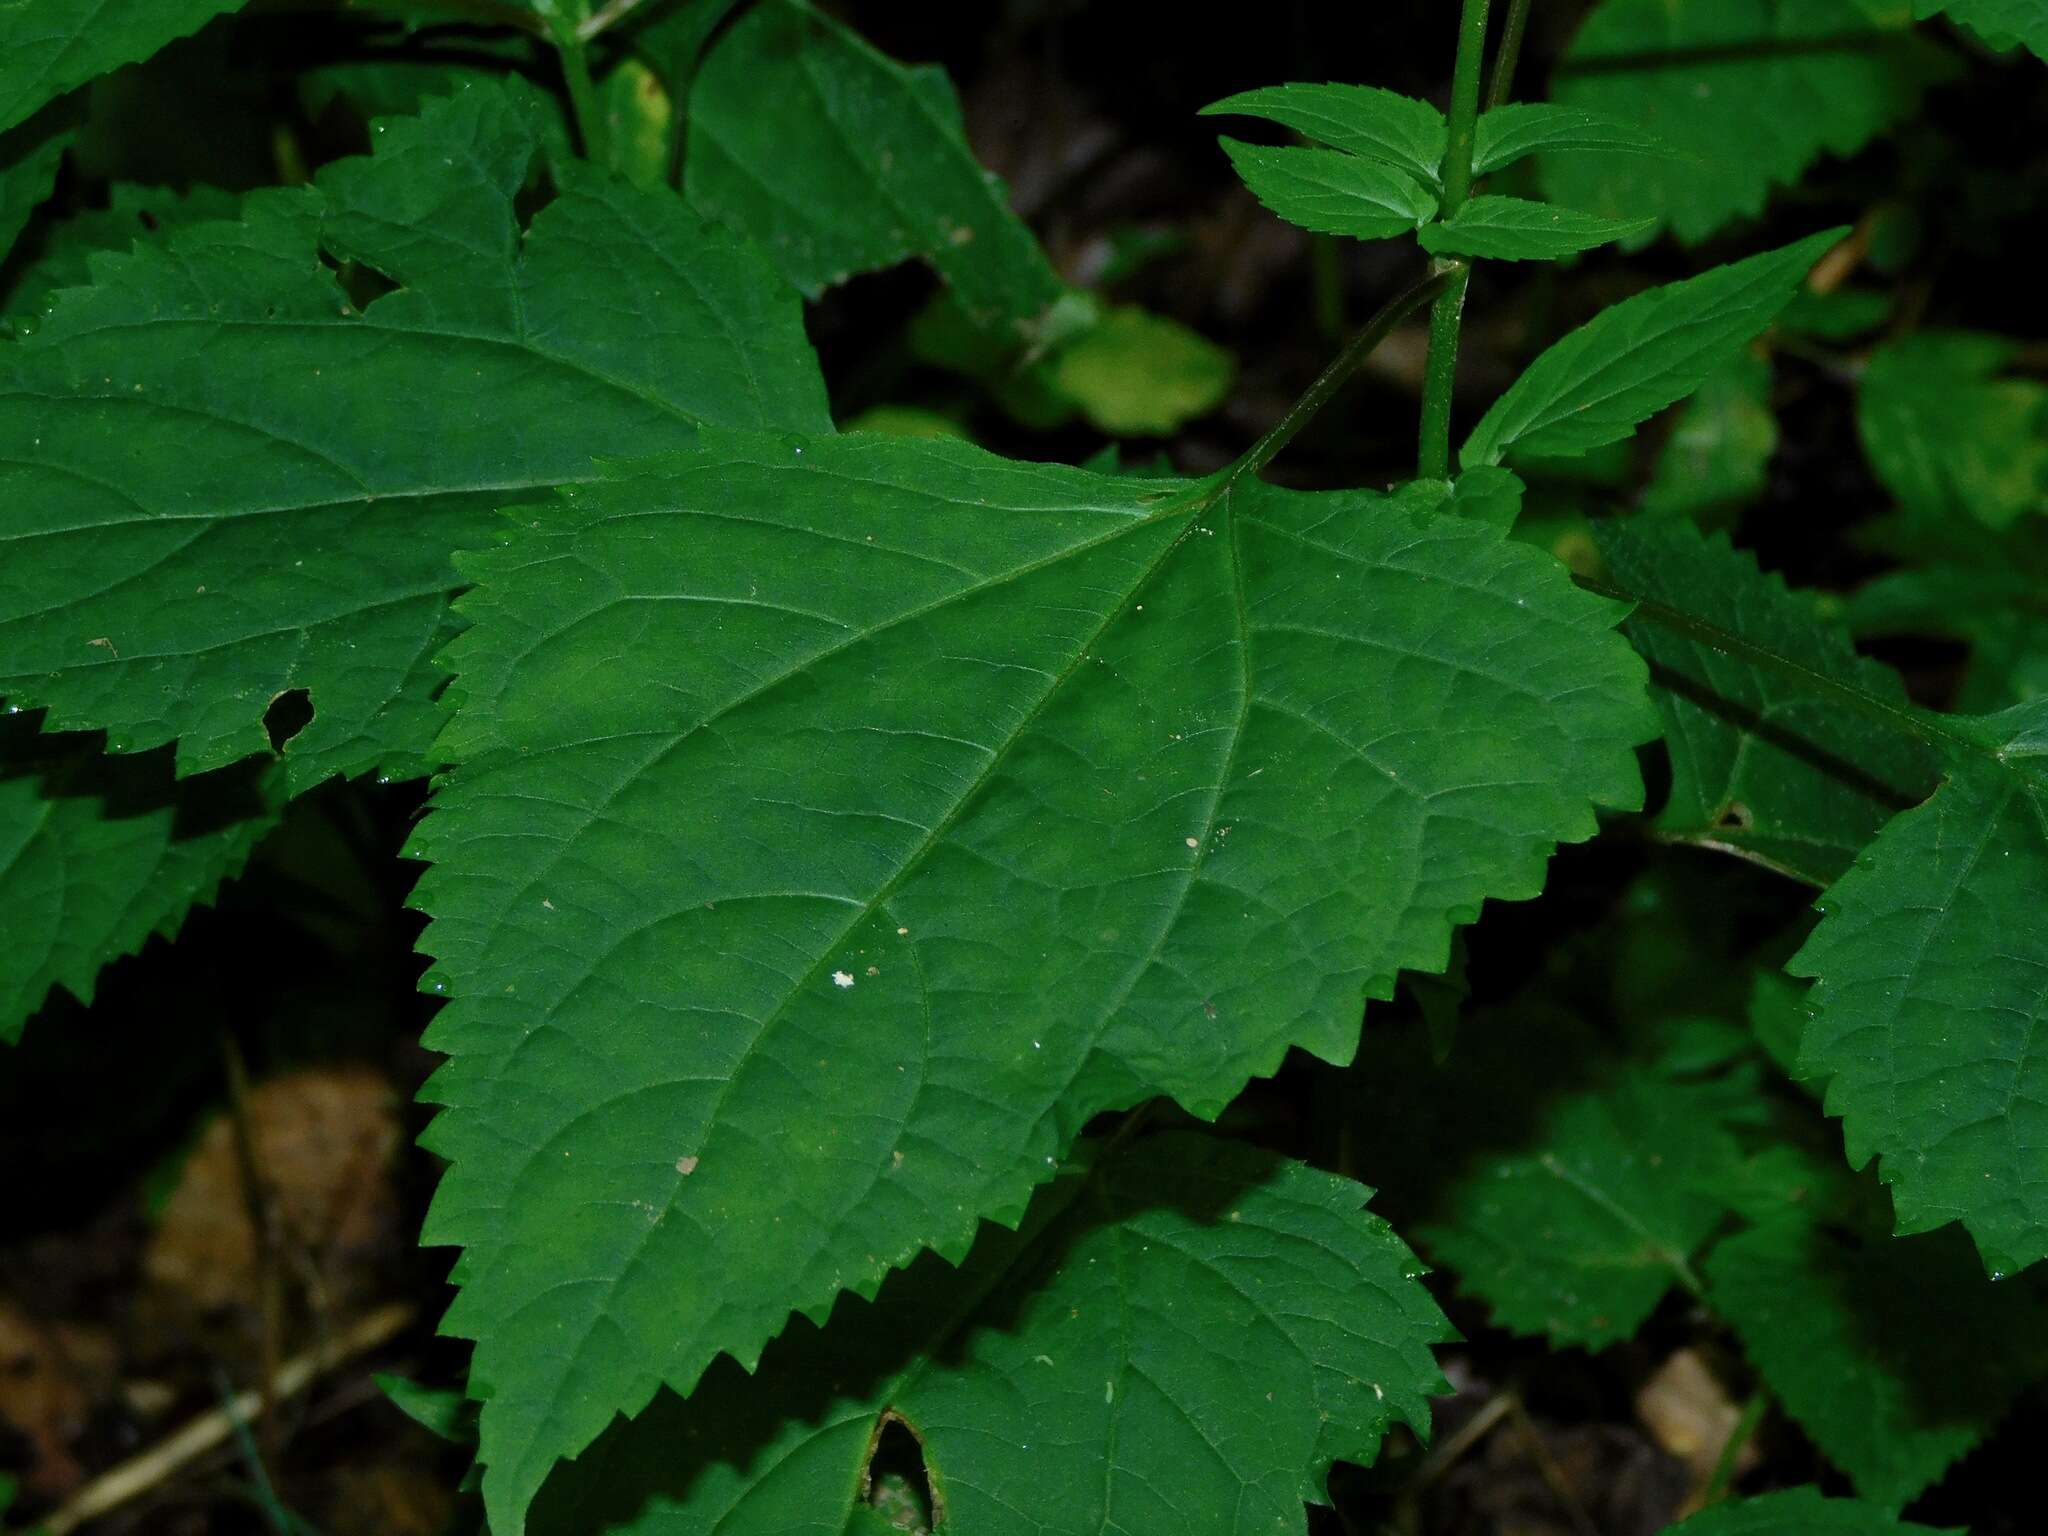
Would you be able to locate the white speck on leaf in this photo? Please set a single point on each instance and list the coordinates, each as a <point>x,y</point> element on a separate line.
<point>1194,842</point>
<point>842,978</point>
<point>686,1166</point>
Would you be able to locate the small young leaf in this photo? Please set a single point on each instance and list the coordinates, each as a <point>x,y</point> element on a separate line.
<point>49,46</point>
<point>1800,1512</point>
<point>1332,192</point>
<point>930,803</point>
<point>2001,23</point>
<point>862,164</point>
<point>97,853</point>
<point>1515,229</point>
<point>1506,133</point>
<point>1717,455</point>
<point>1895,1355</point>
<point>1631,360</point>
<point>1931,964</point>
<point>1949,437</point>
<point>1136,374</point>
<point>1363,120</point>
<point>1754,90</point>
<point>1183,1335</point>
<point>1763,763</point>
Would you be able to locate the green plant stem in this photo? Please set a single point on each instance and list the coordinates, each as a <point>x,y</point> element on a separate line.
<point>1507,52</point>
<point>1433,450</point>
<point>1332,378</point>
<point>1731,1450</point>
<point>583,102</point>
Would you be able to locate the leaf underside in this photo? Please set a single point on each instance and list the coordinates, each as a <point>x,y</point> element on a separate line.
<point>930,804</point>
<point>1182,1335</point>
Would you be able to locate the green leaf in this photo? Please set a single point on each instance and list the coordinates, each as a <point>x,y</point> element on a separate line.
<point>1764,763</point>
<point>1931,964</point>
<point>1799,1512</point>
<point>49,46</point>
<point>1515,229</point>
<point>1184,1335</point>
<point>1565,1185</point>
<point>1895,1355</point>
<point>842,822</point>
<point>133,215</point>
<point>862,164</point>
<point>1756,90</point>
<point>1136,374</point>
<point>1950,438</point>
<point>287,477</point>
<point>1364,120</point>
<point>1331,192</point>
<point>1506,133</point>
<point>29,155</point>
<point>97,853</point>
<point>1636,357</point>
<point>2001,23</point>
<point>1719,451</point>
<point>443,1411</point>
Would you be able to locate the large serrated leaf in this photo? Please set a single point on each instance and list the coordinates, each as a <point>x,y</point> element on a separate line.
<point>29,155</point>
<point>1755,90</point>
<point>289,477</point>
<point>97,853</point>
<point>49,46</point>
<point>862,163</point>
<point>1181,1336</point>
<point>842,822</point>
<point>2002,23</point>
<point>1931,998</point>
<point>1362,120</point>
<point>1631,360</point>
<point>1764,763</point>
<point>133,215</point>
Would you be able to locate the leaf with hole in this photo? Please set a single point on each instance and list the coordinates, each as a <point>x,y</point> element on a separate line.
<point>1766,762</point>
<point>1181,1334</point>
<point>842,822</point>
<point>291,476</point>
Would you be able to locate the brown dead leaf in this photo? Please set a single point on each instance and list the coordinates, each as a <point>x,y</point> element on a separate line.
<point>324,1142</point>
<point>1689,1413</point>
<point>50,1376</point>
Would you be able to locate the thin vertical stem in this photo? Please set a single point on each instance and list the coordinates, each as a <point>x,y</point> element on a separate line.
<point>1433,451</point>
<point>583,103</point>
<point>1506,53</point>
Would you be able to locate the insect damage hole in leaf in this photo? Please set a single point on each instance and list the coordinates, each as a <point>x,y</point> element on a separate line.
<point>289,713</point>
<point>896,1482</point>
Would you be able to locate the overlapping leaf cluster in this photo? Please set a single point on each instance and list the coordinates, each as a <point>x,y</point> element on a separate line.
<point>828,826</point>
